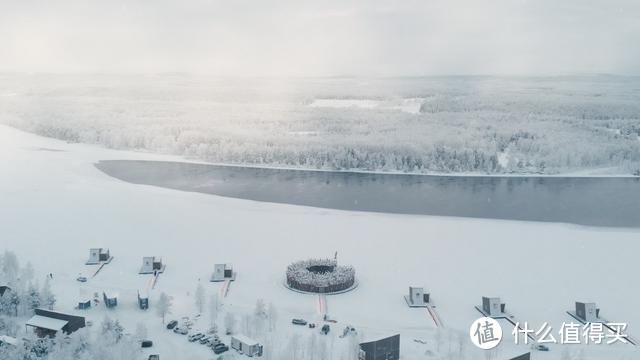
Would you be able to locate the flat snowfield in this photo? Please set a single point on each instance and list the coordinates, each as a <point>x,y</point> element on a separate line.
<point>55,205</point>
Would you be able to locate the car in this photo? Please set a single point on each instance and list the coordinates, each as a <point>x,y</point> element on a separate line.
<point>196,337</point>
<point>312,325</point>
<point>205,340</point>
<point>220,349</point>
<point>214,342</point>
<point>299,322</point>
<point>154,357</point>
<point>181,331</point>
<point>541,347</point>
<point>325,329</point>
<point>146,343</point>
<point>81,278</point>
<point>172,324</point>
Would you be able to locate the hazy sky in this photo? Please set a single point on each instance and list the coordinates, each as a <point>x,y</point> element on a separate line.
<point>319,38</point>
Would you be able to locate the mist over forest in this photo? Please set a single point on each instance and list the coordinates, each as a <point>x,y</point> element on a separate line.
<point>485,125</point>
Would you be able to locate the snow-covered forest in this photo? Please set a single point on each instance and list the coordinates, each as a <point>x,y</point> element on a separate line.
<point>422,125</point>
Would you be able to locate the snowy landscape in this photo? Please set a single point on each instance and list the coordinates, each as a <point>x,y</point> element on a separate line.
<point>585,125</point>
<point>334,180</point>
<point>56,201</point>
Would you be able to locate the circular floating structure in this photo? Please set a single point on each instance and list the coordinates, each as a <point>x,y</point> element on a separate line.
<point>320,276</point>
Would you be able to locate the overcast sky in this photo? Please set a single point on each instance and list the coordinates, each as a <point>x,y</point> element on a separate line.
<point>321,38</point>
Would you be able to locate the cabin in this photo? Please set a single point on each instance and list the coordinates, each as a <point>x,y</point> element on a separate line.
<point>246,345</point>
<point>98,255</point>
<point>84,303</point>
<point>417,297</point>
<point>46,323</point>
<point>587,312</point>
<point>152,265</point>
<point>143,300</point>
<point>492,307</point>
<point>223,272</point>
<point>387,348</point>
<point>110,300</point>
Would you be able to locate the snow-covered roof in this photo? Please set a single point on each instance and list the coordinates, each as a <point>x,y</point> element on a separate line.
<point>47,323</point>
<point>378,336</point>
<point>110,294</point>
<point>245,340</point>
<point>8,340</point>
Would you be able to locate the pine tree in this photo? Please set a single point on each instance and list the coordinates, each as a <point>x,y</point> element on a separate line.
<point>33,298</point>
<point>163,306</point>
<point>199,298</point>
<point>48,299</point>
<point>213,309</point>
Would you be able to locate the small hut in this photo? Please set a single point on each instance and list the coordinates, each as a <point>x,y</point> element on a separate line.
<point>143,300</point>
<point>223,272</point>
<point>152,265</point>
<point>98,255</point>
<point>84,303</point>
<point>110,299</point>
<point>417,297</point>
<point>587,312</point>
<point>492,307</point>
<point>246,345</point>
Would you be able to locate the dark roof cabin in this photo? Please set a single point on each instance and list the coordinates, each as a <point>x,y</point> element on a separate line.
<point>382,349</point>
<point>47,323</point>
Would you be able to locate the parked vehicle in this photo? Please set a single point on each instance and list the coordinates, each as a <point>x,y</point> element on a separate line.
<point>81,279</point>
<point>181,331</point>
<point>195,337</point>
<point>299,322</point>
<point>146,343</point>
<point>172,324</point>
<point>154,357</point>
<point>541,347</point>
<point>205,340</point>
<point>219,349</point>
<point>214,342</point>
<point>325,329</point>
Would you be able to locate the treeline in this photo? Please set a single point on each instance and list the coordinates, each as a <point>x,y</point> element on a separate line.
<point>525,126</point>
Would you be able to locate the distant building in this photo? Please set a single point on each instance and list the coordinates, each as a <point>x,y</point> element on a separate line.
<point>152,265</point>
<point>223,272</point>
<point>587,312</point>
<point>47,323</point>
<point>417,297</point>
<point>387,348</point>
<point>98,255</point>
<point>246,345</point>
<point>143,300</point>
<point>492,306</point>
<point>84,303</point>
<point>110,300</point>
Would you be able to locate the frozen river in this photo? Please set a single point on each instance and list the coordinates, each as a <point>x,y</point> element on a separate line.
<point>595,201</point>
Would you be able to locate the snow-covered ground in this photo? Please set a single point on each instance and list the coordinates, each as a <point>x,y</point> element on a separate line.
<point>55,205</point>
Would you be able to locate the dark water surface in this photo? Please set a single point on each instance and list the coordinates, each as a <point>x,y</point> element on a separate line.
<point>587,201</point>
